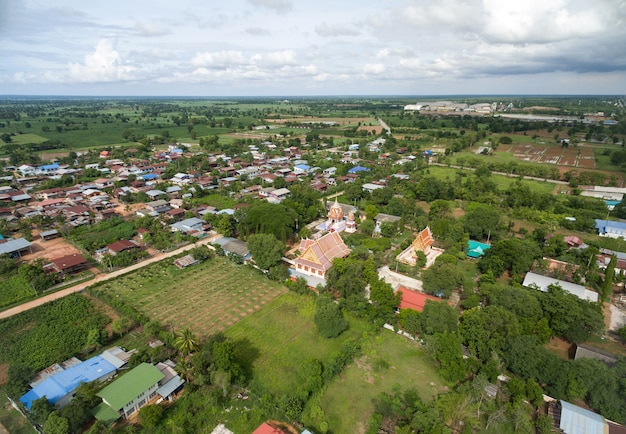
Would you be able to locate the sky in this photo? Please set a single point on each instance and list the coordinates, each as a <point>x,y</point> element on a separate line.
<point>304,47</point>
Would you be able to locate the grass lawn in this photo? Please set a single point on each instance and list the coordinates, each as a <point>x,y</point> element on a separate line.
<point>284,334</point>
<point>388,360</point>
<point>206,298</point>
<point>27,138</point>
<point>11,419</point>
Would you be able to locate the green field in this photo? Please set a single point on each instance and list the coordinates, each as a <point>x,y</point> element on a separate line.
<point>503,182</point>
<point>389,360</point>
<point>285,335</point>
<point>206,298</point>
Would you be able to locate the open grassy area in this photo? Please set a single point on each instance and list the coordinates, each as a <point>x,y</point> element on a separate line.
<point>206,298</point>
<point>388,360</point>
<point>284,334</point>
<point>11,419</point>
<point>503,182</point>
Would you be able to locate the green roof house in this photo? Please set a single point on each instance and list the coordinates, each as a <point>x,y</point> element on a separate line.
<point>130,392</point>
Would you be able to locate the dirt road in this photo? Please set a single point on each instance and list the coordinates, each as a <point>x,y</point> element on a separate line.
<point>102,277</point>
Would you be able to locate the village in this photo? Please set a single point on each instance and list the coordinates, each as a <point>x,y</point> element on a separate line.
<point>369,225</point>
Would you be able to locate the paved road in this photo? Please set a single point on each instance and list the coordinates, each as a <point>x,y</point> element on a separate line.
<point>384,125</point>
<point>100,278</point>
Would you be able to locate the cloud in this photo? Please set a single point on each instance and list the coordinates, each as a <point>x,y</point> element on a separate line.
<point>275,59</point>
<point>257,31</point>
<point>276,5</point>
<point>103,65</point>
<point>337,29</point>
<point>374,68</point>
<point>152,29</point>
<point>219,59</point>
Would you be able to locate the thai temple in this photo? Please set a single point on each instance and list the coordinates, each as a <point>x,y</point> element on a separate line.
<point>422,243</point>
<point>317,255</point>
<point>337,221</point>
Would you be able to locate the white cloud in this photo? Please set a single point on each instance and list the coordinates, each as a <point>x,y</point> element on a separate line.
<point>374,68</point>
<point>337,29</point>
<point>219,59</point>
<point>152,29</point>
<point>275,59</point>
<point>103,65</point>
<point>276,5</point>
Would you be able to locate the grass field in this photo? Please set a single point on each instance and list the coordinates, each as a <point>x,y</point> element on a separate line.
<point>389,360</point>
<point>11,420</point>
<point>284,334</point>
<point>503,182</point>
<point>207,298</point>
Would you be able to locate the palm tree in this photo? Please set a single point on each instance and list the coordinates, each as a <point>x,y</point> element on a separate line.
<point>185,342</point>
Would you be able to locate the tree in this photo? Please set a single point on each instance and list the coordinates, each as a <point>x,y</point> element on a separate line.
<point>151,415</point>
<point>513,254</point>
<point>487,330</point>
<point>56,424</point>
<point>482,222</point>
<point>328,317</point>
<point>609,274</point>
<point>186,342</point>
<point>445,350</point>
<point>121,325</point>
<point>266,250</point>
<point>439,317</point>
<point>40,409</point>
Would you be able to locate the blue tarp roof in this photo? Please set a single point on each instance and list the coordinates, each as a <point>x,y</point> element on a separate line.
<point>302,167</point>
<point>604,225</point>
<point>356,169</point>
<point>57,386</point>
<point>149,176</point>
<point>476,249</point>
<point>49,167</point>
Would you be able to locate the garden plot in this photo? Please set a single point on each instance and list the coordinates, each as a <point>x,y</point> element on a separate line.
<point>206,298</point>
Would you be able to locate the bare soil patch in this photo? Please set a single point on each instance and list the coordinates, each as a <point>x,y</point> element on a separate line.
<point>376,129</point>
<point>51,249</point>
<point>560,347</point>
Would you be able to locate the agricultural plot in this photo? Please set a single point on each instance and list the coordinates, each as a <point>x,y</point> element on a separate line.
<point>570,157</point>
<point>206,298</point>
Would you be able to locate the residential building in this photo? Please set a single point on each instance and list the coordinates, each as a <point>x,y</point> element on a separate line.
<point>67,264</point>
<point>542,283</point>
<point>611,229</point>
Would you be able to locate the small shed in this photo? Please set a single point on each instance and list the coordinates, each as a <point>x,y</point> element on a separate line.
<point>48,235</point>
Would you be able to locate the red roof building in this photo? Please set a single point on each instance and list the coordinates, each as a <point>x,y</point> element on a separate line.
<point>120,246</point>
<point>415,300</point>
<point>266,428</point>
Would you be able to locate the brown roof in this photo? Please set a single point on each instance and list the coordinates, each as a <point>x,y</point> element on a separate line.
<point>121,245</point>
<point>68,261</point>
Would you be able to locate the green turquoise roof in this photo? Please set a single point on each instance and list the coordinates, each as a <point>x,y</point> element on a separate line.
<point>105,414</point>
<point>130,386</point>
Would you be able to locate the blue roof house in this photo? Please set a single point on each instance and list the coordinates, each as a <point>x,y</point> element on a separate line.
<point>49,168</point>
<point>301,168</point>
<point>357,169</point>
<point>59,388</point>
<point>611,229</point>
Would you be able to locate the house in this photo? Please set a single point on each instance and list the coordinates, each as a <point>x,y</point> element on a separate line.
<point>370,187</point>
<point>571,419</point>
<point>129,393</point>
<point>185,261</point>
<point>357,169</point>
<point>58,388</point>
<point>158,206</point>
<point>573,242</point>
<point>269,427</point>
<point>279,194</point>
<point>103,183</point>
<point>233,246</point>
<point>318,255</point>
<point>189,225</point>
<point>120,246</point>
<point>329,172</point>
<point>542,283</point>
<point>301,169</point>
<point>68,264</point>
<point>611,229</point>
<point>476,249</point>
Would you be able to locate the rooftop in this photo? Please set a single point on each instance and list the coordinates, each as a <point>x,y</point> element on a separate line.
<point>131,385</point>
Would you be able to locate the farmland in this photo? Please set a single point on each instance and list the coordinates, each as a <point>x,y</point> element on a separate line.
<point>206,298</point>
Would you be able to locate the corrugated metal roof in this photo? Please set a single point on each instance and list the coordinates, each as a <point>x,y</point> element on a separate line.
<point>14,245</point>
<point>577,420</point>
<point>543,282</point>
<point>134,383</point>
